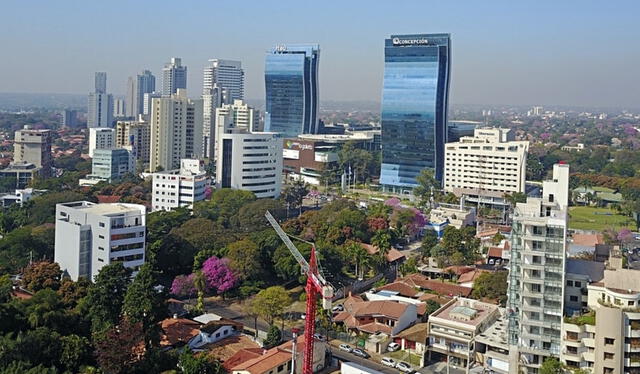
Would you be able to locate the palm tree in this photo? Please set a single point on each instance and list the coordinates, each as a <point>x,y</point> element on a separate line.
<point>359,257</point>
<point>382,240</point>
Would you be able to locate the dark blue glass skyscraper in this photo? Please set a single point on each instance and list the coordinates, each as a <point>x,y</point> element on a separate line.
<point>291,87</point>
<point>414,108</point>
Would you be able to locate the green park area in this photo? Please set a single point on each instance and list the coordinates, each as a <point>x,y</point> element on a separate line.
<point>592,218</point>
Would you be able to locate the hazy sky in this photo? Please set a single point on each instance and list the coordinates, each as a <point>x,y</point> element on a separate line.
<point>503,52</point>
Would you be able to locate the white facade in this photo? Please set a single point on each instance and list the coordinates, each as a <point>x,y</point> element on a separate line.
<point>101,138</point>
<point>231,117</point>
<point>227,74</point>
<point>89,236</point>
<point>174,77</point>
<point>119,109</point>
<point>181,187</point>
<point>488,162</point>
<point>537,273</point>
<point>176,131</point>
<point>250,161</point>
<point>136,137</point>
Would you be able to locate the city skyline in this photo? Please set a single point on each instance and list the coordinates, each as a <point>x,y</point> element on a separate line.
<point>506,53</point>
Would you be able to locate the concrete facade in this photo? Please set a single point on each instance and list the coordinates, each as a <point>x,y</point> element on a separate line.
<point>33,146</point>
<point>180,187</point>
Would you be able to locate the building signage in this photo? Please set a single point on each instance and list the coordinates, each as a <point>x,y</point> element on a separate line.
<point>419,41</point>
<point>300,146</point>
<point>281,48</point>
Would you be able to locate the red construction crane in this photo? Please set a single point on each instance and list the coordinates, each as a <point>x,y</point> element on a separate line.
<point>316,285</point>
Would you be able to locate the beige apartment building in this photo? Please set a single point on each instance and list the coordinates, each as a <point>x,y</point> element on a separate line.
<point>486,166</point>
<point>33,146</point>
<point>136,137</point>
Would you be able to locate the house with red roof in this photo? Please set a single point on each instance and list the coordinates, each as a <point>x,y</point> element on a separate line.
<point>278,360</point>
<point>377,316</point>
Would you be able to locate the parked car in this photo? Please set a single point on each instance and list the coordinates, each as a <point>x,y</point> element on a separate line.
<point>386,361</point>
<point>345,348</point>
<point>360,353</point>
<point>320,337</point>
<point>404,367</point>
<point>338,308</point>
<point>392,347</point>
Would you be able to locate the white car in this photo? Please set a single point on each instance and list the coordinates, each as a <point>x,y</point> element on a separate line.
<point>404,367</point>
<point>345,348</point>
<point>392,347</point>
<point>320,337</point>
<point>337,308</point>
<point>386,361</point>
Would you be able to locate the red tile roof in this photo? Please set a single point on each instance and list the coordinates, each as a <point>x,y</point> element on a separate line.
<point>270,359</point>
<point>494,252</point>
<point>437,286</point>
<point>590,240</point>
<point>375,327</point>
<point>392,255</point>
<point>178,330</point>
<point>470,276</point>
<point>402,289</point>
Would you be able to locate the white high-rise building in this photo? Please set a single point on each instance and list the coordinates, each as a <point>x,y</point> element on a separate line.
<point>238,115</point>
<point>226,74</point>
<point>486,166</point>
<point>101,138</point>
<point>89,236</point>
<point>176,131</point>
<point>250,161</point>
<point>174,77</point>
<point>211,100</point>
<point>119,109</point>
<point>146,105</point>
<point>137,87</point>
<point>100,104</point>
<point>180,187</point>
<point>537,273</point>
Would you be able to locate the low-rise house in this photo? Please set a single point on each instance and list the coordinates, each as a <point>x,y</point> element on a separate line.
<point>215,331</point>
<point>178,332</point>
<point>439,287</point>
<point>278,360</point>
<point>388,317</point>
<point>414,340</point>
<point>453,328</point>
<point>393,256</point>
<point>584,244</point>
<point>445,215</point>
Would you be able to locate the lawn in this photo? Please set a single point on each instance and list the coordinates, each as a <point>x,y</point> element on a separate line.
<point>410,358</point>
<point>592,218</point>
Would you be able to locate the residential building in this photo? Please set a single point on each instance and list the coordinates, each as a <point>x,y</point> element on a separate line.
<point>311,157</point>
<point>492,347</point>
<point>486,166</point>
<point>180,187</point>
<point>23,172</point>
<point>176,131</point>
<point>100,104</point>
<point>291,87</point>
<point>537,273</point>
<point>453,328</point>
<point>576,147</point>
<point>101,138</point>
<point>456,215</point>
<point>250,161</point>
<point>111,164</point>
<point>180,332</point>
<point>605,336</point>
<point>136,137</point>
<point>89,236</point>
<point>148,98</point>
<point>69,118</point>
<point>434,286</point>
<point>137,86</point>
<point>174,77</point>
<point>385,316</point>
<point>582,244</point>
<point>19,197</point>
<point>33,146</point>
<point>119,110</point>
<point>237,115</point>
<point>226,74</point>
<point>415,99</point>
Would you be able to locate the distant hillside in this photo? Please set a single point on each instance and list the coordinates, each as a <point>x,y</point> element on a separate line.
<point>25,101</point>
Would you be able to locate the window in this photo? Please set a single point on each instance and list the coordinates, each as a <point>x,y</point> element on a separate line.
<point>577,284</point>
<point>101,236</point>
<point>570,283</point>
<point>280,368</point>
<point>573,298</point>
<point>609,341</point>
<point>101,224</point>
<point>608,356</point>
<point>100,260</point>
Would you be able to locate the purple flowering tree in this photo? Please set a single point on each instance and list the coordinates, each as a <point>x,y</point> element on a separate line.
<point>218,275</point>
<point>625,235</point>
<point>183,286</point>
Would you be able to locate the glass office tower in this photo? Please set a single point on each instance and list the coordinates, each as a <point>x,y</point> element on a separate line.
<point>414,108</point>
<point>291,87</point>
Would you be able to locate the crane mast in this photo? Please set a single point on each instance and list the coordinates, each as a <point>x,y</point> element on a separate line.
<point>316,285</point>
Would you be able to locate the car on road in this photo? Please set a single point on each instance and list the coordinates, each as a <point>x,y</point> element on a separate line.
<point>320,337</point>
<point>337,308</point>
<point>404,367</point>
<point>360,353</point>
<point>392,347</point>
<point>345,348</point>
<point>386,361</point>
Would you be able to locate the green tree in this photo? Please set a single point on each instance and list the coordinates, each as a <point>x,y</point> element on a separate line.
<point>244,256</point>
<point>188,363</point>
<point>120,348</point>
<point>426,183</point>
<point>143,303</point>
<point>294,193</point>
<point>75,351</point>
<point>250,217</point>
<point>40,275</point>
<point>106,295</point>
<point>432,306</point>
<point>491,285</point>
<point>6,288</point>
<point>551,365</point>
<point>274,337</point>
<point>516,197</point>
<point>272,302</point>
<point>429,241</point>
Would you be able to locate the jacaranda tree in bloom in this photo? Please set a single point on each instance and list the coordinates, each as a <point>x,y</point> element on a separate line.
<point>218,274</point>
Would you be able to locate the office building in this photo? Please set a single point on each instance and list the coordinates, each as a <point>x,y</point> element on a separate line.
<point>137,86</point>
<point>291,87</point>
<point>486,166</point>
<point>111,164</point>
<point>22,172</point>
<point>101,138</point>
<point>537,273</point>
<point>34,146</point>
<point>176,131</point>
<point>180,187</point>
<point>89,236</point>
<point>250,161</point>
<point>226,74</point>
<point>100,104</point>
<point>174,77</point>
<point>134,136</point>
<point>237,115</point>
<point>119,110</point>
<point>415,99</point>
<point>604,337</point>
<point>69,118</point>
